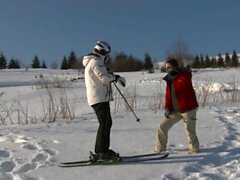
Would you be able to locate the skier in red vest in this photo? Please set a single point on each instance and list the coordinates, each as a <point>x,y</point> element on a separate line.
<point>180,104</point>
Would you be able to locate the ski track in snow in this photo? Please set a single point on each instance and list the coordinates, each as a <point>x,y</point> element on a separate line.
<point>222,160</point>
<point>22,155</point>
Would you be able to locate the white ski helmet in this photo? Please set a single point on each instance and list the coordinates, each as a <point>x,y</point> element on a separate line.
<point>102,47</point>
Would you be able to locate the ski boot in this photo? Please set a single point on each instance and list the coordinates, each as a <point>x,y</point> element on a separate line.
<point>109,157</point>
<point>112,156</point>
<point>92,157</point>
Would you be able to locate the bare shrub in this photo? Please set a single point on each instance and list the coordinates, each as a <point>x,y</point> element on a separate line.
<point>22,112</point>
<point>157,102</point>
<point>66,110</point>
<point>204,94</point>
<point>54,81</point>
<point>117,101</point>
<point>57,107</point>
<point>131,97</point>
<point>216,93</point>
<point>6,114</point>
<point>235,95</point>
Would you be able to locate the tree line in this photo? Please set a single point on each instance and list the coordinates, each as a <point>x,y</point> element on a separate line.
<point>122,62</point>
<point>219,61</point>
<point>119,63</point>
<point>15,63</point>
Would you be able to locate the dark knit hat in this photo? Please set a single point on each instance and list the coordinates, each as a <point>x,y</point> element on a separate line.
<point>173,62</point>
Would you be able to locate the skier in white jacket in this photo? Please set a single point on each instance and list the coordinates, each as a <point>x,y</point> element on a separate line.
<point>99,93</point>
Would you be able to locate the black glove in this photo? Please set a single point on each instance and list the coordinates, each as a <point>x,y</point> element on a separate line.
<point>116,77</point>
<point>167,113</point>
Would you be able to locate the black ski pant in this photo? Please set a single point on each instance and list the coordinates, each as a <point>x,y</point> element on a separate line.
<point>103,113</point>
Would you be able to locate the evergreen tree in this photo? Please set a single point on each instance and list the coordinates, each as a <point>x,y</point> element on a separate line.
<point>207,62</point>
<point>220,61</point>
<point>234,60</point>
<point>81,63</point>
<point>13,64</point>
<point>227,60</point>
<point>138,64</point>
<point>202,63</point>
<point>196,62</point>
<point>64,64</point>
<point>44,64</point>
<point>148,65</point>
<point>36,62</point>
<point>72,61</point>
<point>3,62</point>
<point>213,62</point>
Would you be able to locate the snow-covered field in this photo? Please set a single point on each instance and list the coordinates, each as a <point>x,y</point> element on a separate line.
<point>32,151</point>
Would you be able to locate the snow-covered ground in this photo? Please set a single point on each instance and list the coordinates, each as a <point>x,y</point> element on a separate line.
<point>33,151</point>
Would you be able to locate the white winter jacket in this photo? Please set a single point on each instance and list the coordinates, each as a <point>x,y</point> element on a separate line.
<point>97,79</point>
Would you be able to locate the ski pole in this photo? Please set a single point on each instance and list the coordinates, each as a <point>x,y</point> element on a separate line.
<point>137,119</point>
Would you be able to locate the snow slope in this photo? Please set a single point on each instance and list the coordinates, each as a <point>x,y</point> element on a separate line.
<point>32,151</point>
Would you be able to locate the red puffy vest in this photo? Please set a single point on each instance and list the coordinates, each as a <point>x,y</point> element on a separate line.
<point>184,92</point>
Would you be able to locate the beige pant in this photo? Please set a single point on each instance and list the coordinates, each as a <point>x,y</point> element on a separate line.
<point>189,119</point>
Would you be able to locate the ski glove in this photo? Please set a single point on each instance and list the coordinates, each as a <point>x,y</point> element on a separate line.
<point>116,77</point>
<point>120,80</point>
<point>167,113</point>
